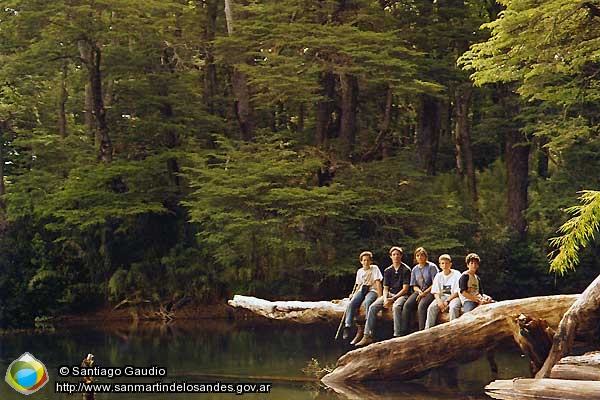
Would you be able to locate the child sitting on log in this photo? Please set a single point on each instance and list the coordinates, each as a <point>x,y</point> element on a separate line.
<point>367,288</point>
<point>470,290</point>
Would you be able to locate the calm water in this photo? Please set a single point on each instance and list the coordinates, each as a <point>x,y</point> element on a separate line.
<point>209,352</point>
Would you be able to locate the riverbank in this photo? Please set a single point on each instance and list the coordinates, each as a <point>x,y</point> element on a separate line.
<point>107,315</point>
<point>188,312</point>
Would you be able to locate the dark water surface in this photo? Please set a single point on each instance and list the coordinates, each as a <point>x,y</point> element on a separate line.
<point>209,352</point>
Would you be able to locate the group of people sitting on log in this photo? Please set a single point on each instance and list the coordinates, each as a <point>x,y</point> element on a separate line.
<point>424,290</point>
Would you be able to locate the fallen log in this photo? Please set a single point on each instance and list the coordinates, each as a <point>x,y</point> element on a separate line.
<point>583,317</point>
<point>479,330</point>
<point>305,312</point>
<point>534,338</point>
<point>543,389</point>
<point>585,367</point>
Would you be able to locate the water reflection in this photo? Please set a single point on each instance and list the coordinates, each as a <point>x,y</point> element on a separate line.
<point>226,352</point>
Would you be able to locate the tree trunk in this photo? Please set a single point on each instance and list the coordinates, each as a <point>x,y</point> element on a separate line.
<point>534,338</point>
<point>517,389</point>
<point>229,17</point>
<point>349,108</point>
<point>583,368</point>
<point>462,139</point>
<point>543,159</point>
<point>428,131</point>
<point>583,316</point>
<point>3,132</point>
<point>517,165</point>
<point>300,125</point>
<point>384,130</point>
<point>463,339</point>
<point>324,109</point>
<point>304,312</point>
<point>88,112</point>
<point>210,69</point>
<point>171,137</point>
<point>62,101</point>
<point>91,55</point>
<point>239,85</point>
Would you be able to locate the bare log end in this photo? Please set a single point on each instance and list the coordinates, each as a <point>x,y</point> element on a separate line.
<point>543,388</point>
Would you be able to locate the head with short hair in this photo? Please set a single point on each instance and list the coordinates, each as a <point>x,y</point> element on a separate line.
<point>393,248</point>
<point>446,257</point>
<point>472,257</point>
<point>421,250</point>
<point>365,253</point>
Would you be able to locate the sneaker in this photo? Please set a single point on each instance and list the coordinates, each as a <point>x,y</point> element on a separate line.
<point>346,333</point>
<point>366,339</point>
<point>359,335</point>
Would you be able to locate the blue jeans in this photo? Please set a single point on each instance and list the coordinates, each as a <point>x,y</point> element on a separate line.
<point>434,311</point>
<point>410,307</point>
<point>469,305</point>
<point>378,306</point>
<point>397,308</point>
<point>355,303</point>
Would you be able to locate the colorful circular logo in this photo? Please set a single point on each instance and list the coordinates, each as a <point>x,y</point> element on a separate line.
<point>26,374</point>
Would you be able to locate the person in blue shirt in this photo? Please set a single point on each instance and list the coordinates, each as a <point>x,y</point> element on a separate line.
<point>421,281</point>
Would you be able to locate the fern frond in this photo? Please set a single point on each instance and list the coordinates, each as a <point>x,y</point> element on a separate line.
<point>577,232</point>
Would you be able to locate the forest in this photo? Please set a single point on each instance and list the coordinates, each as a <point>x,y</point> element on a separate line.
<point>195,149</point>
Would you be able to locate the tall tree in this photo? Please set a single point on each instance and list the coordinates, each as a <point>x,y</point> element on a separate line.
<point>545,49</point>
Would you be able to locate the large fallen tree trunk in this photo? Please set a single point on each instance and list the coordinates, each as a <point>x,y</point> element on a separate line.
<point>585,367</point>
<point>479,330</point>
<point>304,312</point>
<point>583,317</point>
<point>517,389</point>
<point>573,377</point>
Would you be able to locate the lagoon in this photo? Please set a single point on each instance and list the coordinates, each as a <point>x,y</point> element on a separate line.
<point>230,355</point>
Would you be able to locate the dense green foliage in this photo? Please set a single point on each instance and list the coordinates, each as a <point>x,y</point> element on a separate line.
<point>160,149</point>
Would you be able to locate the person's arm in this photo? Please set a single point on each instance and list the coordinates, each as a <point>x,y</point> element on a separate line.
<point>378,287</point>
<point>357,282</point>
<point>437,291</point>
<point>470,297</point>
<point>407,276</point>
<point>386,292</point>
<point>402,292</point>
<point>353,290</point>
<point>426,291</point>
<point>485,299</point>
<point>423,293</point>
<point>463,288</point>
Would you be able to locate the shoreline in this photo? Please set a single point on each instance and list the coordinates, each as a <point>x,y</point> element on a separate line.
<point>106,315</point>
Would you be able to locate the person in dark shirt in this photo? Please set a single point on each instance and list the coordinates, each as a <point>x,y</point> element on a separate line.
<point>470,289</point>
<point>396,280</point>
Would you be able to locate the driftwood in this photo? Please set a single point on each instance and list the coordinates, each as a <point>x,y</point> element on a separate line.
<point>534,338</point>
<point>563,389</point>
<point>305,312</point>
<point>480,330</point>
<point>573,377</point>
<point>143,309</point>
<point>583,317</point>
<point>585,367</point>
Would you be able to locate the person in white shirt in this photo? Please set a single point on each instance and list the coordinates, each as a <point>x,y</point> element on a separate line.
<point>367,288</point>
<point>444,290</point>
